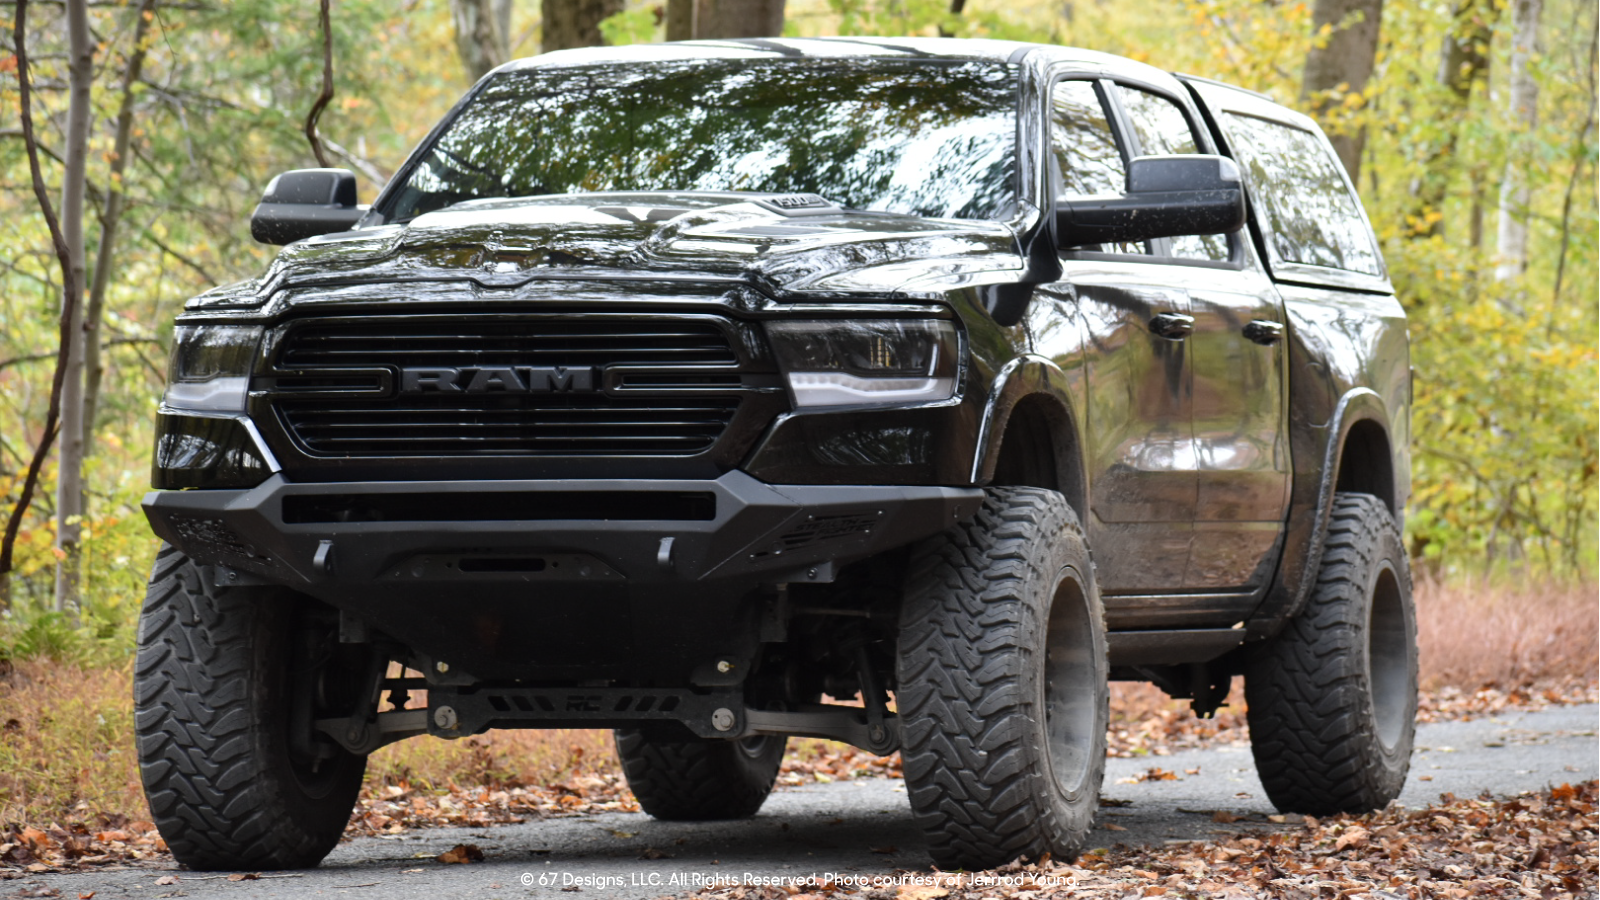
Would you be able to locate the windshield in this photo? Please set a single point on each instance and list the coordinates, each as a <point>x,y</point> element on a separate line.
<point>929,139</point>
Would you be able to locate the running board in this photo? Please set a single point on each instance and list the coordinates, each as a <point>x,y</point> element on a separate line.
<point>1168,648</point>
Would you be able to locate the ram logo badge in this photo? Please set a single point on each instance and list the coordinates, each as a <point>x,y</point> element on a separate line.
<point>507,379</point>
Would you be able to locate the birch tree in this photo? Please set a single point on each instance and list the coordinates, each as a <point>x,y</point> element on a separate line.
<point>1523,116</point>
<point>483,33</point>
<point>75,159</point>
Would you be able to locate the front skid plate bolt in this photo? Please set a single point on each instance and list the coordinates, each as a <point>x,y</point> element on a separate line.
<point>445,718</point>
<point>722,719</point>
<point>441,667</point>
<point>724,666</point>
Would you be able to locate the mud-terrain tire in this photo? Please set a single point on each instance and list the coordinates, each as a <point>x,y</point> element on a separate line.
<point>211,694</point>
<point>1333,697</point>
<point>1002,690</point>
<point>697,780</point>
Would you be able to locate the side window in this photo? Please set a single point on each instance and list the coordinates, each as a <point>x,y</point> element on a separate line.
<point>1315,221</point>
<point>1161,128</point>
<point>1088,161</point>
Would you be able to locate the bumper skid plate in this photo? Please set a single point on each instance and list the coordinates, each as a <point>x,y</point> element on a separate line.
<point>331,538</point>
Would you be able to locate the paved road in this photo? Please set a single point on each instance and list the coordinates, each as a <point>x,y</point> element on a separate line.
<point>849,827</point>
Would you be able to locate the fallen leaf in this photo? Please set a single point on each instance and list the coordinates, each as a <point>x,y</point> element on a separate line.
<point>920,892</point>
<point>621,834</point>
<point>1224,817</point>
<point>167,879</point>
<point>1352,837</point>
<point>244,876</point>
<point>461,854</point>
<point>1112,826</point>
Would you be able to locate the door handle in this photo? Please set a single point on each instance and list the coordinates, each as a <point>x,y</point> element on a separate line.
<point>1172,326</point>
<point>1264,332</point>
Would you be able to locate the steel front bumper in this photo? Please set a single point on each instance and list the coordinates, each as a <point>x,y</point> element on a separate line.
<point>328,539</point>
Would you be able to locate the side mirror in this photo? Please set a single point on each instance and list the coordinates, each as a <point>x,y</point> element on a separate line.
<point>302,203</point>
<point>1167,196</point>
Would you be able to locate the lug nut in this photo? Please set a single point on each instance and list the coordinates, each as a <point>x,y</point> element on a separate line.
<point>445,718</point>
<point>722,719</point>
<point>441,667</point>
<point>724,666</point>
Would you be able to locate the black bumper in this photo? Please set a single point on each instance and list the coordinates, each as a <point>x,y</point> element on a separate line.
<point>562,581</point>
<point>317,537</point>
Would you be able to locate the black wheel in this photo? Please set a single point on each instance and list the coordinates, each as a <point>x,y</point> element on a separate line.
<point>213,698</point>
<point>690,779</point>
<point>1002,684</point>
<point>1333,697</point>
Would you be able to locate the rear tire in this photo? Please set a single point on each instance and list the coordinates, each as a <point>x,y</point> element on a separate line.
<point>699,779</point>
<point>1333,697</point>
<point>1002,684</point>
<point>212,711</point>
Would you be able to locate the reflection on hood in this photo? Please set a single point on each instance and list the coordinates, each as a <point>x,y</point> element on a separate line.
<point>795,242</point>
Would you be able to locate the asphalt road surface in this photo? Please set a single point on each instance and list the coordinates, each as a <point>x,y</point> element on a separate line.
<point>848,828</point>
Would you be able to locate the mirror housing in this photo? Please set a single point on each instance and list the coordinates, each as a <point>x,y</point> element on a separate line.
<point>302,203</point>
<point>1167,196</point>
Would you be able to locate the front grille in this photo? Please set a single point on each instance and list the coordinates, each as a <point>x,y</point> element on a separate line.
<point>455,341</point>
<point>678,393</point>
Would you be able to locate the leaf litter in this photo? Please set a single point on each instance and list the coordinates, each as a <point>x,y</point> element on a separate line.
<point>1144,723</point>
<point>1536,845</point>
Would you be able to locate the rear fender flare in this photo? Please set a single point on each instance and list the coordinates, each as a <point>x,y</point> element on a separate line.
<point>1296,576</point>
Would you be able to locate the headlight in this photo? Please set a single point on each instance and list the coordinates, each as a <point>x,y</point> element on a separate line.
<point>210,367</point>
<point>888,362</point>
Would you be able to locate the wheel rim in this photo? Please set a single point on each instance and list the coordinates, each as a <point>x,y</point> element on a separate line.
<point>1070,674</point>
<point>1389,658</point>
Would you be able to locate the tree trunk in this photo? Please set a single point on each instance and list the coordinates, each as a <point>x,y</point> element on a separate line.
<point>1342,65</point>
<point>1523,115</point>
<point>69,479</point>
<point>575,23</point>
<point>110,217</point>
<point>1463,63</point>
<point>711,19</point>
<point>483,33</point>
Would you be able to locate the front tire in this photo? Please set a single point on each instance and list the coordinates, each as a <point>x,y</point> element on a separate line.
<point>1002,684</point>
<point>691,779</point>
<point>212,705</point>
<point>1333,697</point>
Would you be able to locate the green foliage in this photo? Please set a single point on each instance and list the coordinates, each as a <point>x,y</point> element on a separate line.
<point>637,24</point>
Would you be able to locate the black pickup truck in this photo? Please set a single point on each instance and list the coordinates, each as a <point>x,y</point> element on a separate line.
<point>683,389</point>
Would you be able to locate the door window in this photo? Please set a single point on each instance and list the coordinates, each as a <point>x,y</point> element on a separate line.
<point>1088,161</point>
<point>1161,129</point>
<point>1314,218</point>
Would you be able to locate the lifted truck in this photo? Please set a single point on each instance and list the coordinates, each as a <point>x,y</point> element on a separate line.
<point>678,389</point>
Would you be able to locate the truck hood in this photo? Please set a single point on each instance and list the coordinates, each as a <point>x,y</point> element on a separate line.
<point>788,243</point>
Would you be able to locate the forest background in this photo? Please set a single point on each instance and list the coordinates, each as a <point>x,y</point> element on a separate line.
<point>1469,125</point>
